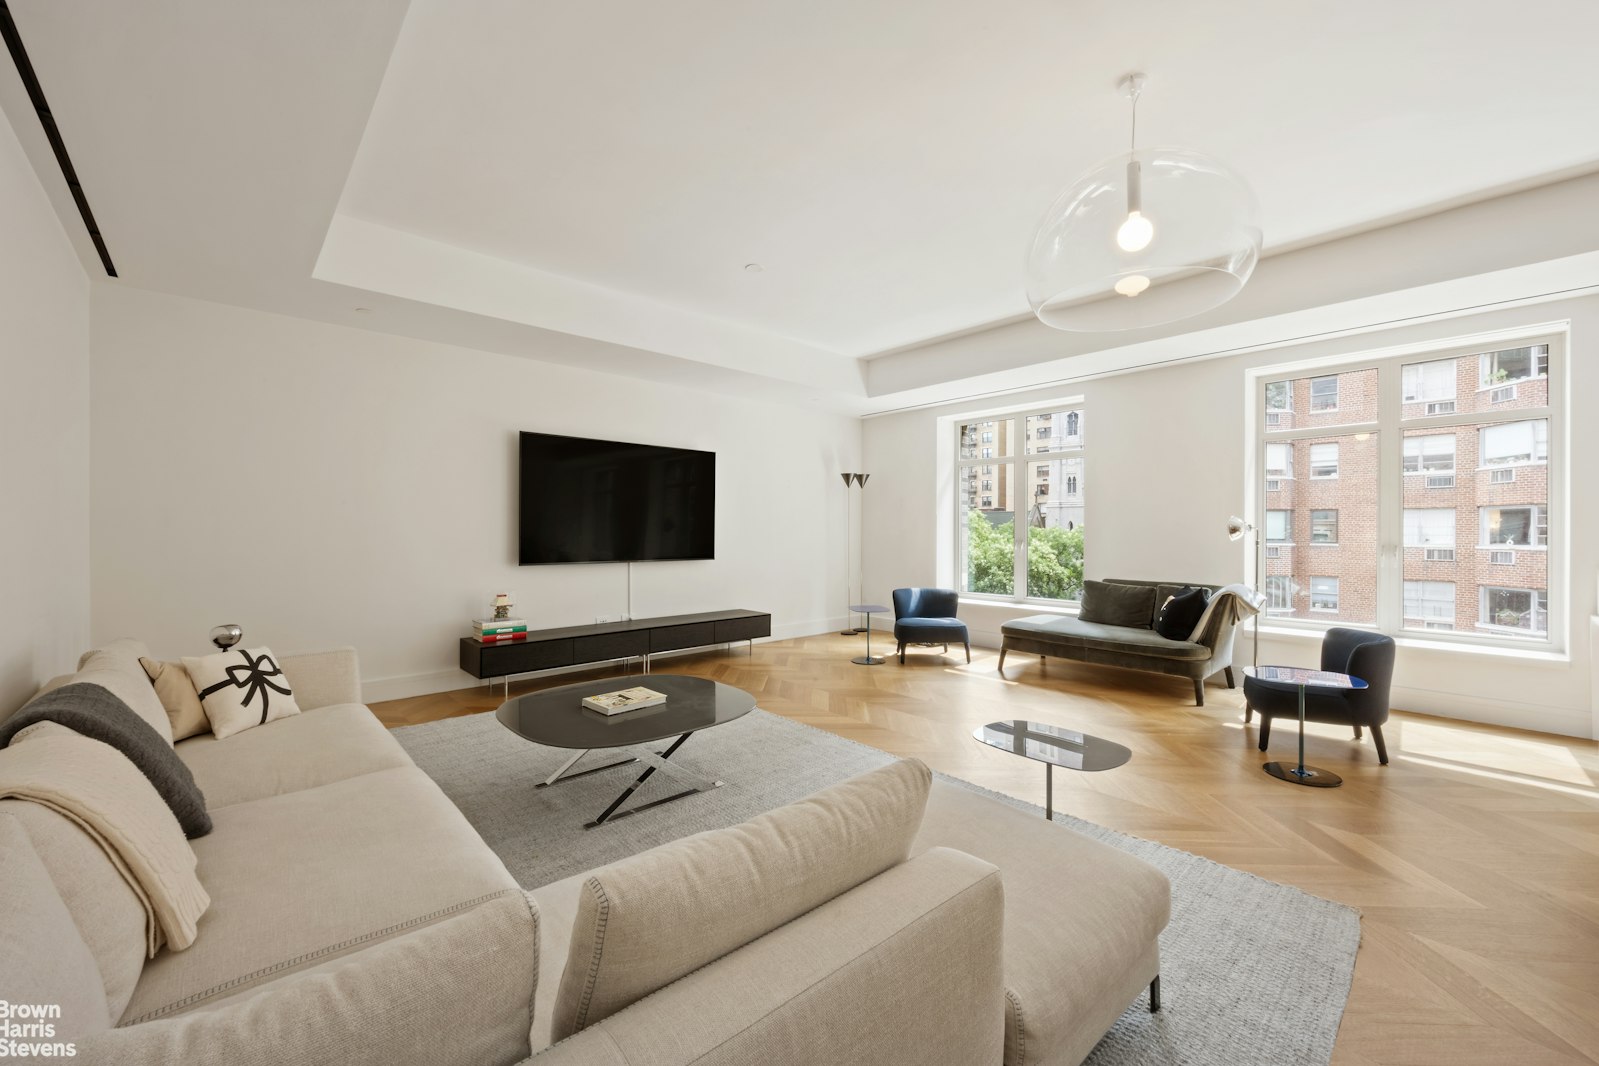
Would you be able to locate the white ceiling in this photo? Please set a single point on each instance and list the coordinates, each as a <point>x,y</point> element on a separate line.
<point>513,175</point>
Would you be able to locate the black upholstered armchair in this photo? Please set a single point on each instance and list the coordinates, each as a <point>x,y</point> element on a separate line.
<point>927,616</point>
<point>1356,652</point>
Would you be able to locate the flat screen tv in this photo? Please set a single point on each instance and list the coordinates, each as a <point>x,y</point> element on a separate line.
<point>608,501</point>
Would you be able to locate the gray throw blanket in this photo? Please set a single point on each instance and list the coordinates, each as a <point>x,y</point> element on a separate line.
<point>96,713</point>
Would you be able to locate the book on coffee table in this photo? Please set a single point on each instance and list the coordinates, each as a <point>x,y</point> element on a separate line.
<point>623,700</point>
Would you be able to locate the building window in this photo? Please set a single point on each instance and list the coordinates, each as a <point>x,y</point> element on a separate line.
<point>1429,382</point>
<point>1279,593</point>
<point>1324,394</point>
<point>1514,364</point>
<point>1526,610</point>
<point>1324,527</point>
<point>1445,487</point>
<point>1432,454</point>
<point>1428,603</point>
<point>1525,527</point>
<point>1277,525</point>
<point>1515,442</point>
<point>1022,542</point>
<point>1323,460</point>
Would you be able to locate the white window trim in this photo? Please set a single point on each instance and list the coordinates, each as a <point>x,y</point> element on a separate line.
<point>1392,424</point>
<point>1071,448</point>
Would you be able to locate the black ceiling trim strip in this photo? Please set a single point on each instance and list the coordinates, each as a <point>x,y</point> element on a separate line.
<point>30,81</point>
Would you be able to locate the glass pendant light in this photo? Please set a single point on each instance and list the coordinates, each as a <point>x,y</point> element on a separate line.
<point>1152,236</point>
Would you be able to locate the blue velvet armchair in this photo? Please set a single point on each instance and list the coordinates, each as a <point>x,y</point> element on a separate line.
<point>927,616</point>
<point>1357,652</point>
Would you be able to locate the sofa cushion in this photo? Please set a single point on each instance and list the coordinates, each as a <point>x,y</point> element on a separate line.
<point>303,751</point>
<point>303,877</point>
<point>1177,615</point>
<point>1114,604</point>
<point>43,958</point>
<point>116,667</point>
<point>240,689</point>
<point>648,920</point>
<point>105,910</point>
<point>1069,633</point>
<point>175,688</point>
<point>1082,921</point>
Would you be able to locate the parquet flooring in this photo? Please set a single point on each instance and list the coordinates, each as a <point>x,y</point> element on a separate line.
<point>1473,856</point>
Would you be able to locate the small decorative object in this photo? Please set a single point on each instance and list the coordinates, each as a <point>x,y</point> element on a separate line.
<point>225,637</point>
<point>1149,236</point>
<point>502,605</point>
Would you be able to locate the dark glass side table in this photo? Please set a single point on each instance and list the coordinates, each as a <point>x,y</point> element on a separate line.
<point>1052,745</point>
<point>868,609</point>
<point>1302,678</point>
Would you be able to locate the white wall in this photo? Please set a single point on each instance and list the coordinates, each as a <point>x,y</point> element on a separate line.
<point>321,486</point>
<point>1167,464</point>
<point>44,436</point>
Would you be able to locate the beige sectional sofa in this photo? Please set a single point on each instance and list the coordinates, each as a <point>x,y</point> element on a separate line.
<point>356,917</point>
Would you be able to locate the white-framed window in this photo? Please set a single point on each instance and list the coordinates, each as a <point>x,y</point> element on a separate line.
<point>1430,527</point>
<point>1324,527</point>
<point>1514,442</point>
<point>1524,610</point>
<point>1514,364</point>
<point>1277,526</point>
<point>1324,394</point>
<point>1279,461</point>
<point>1279,593</point>
<point>1324,594</point>
<point>1324,460</point>
<point>1429,382</point>
<point>1522,526</point>
<point>1429,602</point>
<point>1021,542</point>
<point>1433,454</point>
<point>1441,484</point>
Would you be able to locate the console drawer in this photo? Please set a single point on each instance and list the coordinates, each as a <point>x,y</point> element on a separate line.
<point>731,629</point>
<point>520,658</point>
<point>694,635</point>
<point>610,646</point>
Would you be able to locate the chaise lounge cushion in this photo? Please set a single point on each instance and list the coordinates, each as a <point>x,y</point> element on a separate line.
<point>303,877</point>
<point>1072,632</point>
<point>306,750</point>
<point>1115,604</point>
<point>1082,921</point>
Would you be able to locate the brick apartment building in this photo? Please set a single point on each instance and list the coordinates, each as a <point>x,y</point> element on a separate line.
<point>1475,496</point>
<point>1051,489</point>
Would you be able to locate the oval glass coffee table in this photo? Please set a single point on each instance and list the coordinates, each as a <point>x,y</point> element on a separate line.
<point>1301,678</point>
<point>1052,745</point>
<point>557,718</point>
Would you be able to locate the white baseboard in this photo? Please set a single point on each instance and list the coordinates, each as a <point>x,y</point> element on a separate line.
<point>1539,718</point>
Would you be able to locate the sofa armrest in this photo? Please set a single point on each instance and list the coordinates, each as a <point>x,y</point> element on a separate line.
<point>902,970</point>
<point>323,678</point>
<point>456,993</point>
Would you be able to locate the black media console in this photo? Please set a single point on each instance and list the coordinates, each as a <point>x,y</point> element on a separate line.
<point>639,638</point>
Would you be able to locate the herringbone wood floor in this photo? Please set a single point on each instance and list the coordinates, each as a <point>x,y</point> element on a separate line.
<point>1473,856</point>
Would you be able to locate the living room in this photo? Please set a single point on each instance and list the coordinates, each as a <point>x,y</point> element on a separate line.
<point>289,292</point>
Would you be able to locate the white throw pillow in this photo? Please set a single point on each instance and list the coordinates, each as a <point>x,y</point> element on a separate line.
<point>241,688</point>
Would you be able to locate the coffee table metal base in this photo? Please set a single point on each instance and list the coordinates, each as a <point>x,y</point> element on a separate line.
<point>654,761</point>
<point>1303,775</point>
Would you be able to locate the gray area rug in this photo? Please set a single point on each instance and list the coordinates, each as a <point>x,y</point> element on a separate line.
<point>1251,971</point>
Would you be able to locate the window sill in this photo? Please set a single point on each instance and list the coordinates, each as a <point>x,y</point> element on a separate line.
<point>1314,635</point>
<point>1023,605</point>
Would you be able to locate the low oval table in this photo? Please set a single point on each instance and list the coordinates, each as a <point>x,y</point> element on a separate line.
<point>556,718</point>
<point>1301,678</point>
<point>1052,745</point>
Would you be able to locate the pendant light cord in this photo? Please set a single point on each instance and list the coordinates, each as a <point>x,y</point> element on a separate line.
<point>1132,139</point>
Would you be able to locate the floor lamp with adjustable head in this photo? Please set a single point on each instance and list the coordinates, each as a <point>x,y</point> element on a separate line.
<point>1237,529</point>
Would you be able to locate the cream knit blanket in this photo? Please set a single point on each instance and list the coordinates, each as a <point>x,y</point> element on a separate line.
<point>98,788</point>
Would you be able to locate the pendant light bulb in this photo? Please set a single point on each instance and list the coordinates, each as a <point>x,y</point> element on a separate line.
<point>1132,285</point>
<point>1135,234</point>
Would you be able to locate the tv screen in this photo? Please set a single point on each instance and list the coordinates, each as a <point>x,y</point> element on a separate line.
<point>607,501</point>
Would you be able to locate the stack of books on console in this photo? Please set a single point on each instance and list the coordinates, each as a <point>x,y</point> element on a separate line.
<point>499,630</point>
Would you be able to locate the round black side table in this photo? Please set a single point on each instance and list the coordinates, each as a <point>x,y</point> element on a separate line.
<point>1303,678</point>
<point>868,609</point>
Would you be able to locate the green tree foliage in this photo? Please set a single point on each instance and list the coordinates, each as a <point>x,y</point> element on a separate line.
<point>1054,559</point>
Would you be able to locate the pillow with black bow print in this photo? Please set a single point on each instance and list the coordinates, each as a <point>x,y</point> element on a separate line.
<point>241,688</point>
